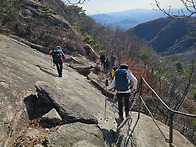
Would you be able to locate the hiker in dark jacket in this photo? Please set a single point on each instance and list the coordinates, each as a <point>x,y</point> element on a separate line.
<point>58,56</point>
<point>123,93</point>
<point>112,59</point>
<point>102,59</point>
<point>107,65</point>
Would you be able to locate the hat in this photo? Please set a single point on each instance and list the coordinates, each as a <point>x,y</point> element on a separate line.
<point>123,66</point>
<point>58,47</point>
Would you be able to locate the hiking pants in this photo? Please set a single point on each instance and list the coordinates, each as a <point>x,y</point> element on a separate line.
<point>120,97</point>
<point>59,66</point>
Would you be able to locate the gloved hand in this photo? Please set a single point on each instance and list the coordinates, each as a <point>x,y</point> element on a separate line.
<point>64,57</point>
<point>133,91</point>
<point>50,52</point>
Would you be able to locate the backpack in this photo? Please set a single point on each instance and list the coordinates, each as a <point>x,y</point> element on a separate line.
<point>113,59</point>
<point>56,55</point>
<point>121,79</point>
<point>107,63</point>
<point>102,58</point>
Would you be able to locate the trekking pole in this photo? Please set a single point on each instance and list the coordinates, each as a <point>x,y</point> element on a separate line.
<point>106,84</point>
<point>51,59</point>
<point>52,63</point>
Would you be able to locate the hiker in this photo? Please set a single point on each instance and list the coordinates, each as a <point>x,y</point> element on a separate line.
<point>121,83</point>
<point>113,71</point>
<point>112,59</point>
<point>102,59</point>
<point>107,65</point>
<point>58,56</point>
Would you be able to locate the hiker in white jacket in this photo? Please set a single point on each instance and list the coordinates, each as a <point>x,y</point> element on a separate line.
<point>117,83</point>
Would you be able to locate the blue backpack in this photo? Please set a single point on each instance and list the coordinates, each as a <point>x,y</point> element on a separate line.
<point>56,55</point>
<point>121,79</point>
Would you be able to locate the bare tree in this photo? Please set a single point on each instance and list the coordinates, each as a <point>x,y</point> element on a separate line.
<point>190,6</point>
<point>76,1</point>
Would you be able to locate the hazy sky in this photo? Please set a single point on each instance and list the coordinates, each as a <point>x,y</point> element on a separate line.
<point>104,6</point>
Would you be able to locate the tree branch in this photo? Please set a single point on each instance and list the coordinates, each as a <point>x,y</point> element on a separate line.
<point>77,2</point>
<point>188,4</point>
<point>186,89</point>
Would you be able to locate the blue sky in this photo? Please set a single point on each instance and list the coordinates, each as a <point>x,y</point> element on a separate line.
<point>104,6</point>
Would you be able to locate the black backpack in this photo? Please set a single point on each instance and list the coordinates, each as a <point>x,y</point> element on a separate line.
<point>107,63</point>
<point>56,55</point>
<point>121,79</point>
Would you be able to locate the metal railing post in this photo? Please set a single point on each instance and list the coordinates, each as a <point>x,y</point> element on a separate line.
<point>140,94</point>
<point>171,111</point>
<point>171,116</point>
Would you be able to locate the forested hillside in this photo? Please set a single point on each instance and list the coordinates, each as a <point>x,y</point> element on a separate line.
<point>168,36</point>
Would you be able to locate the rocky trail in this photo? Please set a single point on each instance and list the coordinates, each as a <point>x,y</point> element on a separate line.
<point>40,109</point>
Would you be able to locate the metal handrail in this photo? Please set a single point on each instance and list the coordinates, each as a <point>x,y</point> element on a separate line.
<point>171,111</point>
<point>174,111</point>
<point>152,117</point>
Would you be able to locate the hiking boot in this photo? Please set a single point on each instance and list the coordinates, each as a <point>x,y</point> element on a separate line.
<point>60,75</point>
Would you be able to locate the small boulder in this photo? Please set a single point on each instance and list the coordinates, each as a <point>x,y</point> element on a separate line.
<point>76,134</point>
<point>52,117</point>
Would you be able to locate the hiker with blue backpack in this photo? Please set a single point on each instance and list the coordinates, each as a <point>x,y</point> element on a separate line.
<point>58,56</point>
<point>121,83</point>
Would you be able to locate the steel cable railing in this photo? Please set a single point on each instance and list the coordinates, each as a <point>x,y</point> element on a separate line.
<point>171,111</point>
<point>153,118</point>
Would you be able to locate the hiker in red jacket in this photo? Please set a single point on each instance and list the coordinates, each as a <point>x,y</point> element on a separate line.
<point>121,83</point>
<point>58,56</point>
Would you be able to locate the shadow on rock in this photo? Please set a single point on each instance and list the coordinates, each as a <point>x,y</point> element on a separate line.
<point>47,72</point>
<point>109,136</point>
<point>35,107</point>
<point>124,133</point>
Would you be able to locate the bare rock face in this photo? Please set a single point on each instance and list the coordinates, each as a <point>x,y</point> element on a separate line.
<point>74,98</point>
<point>83,65</point>
<point>16,75</point>
<point>69,109</point>
<point>143,132</point>
<point>76,133</point>
<point>87,114</point>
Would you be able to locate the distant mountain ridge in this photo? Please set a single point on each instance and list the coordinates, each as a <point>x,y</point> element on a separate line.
<point>168,36</point>
<point>127,19</point>
<point>130,18</point>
